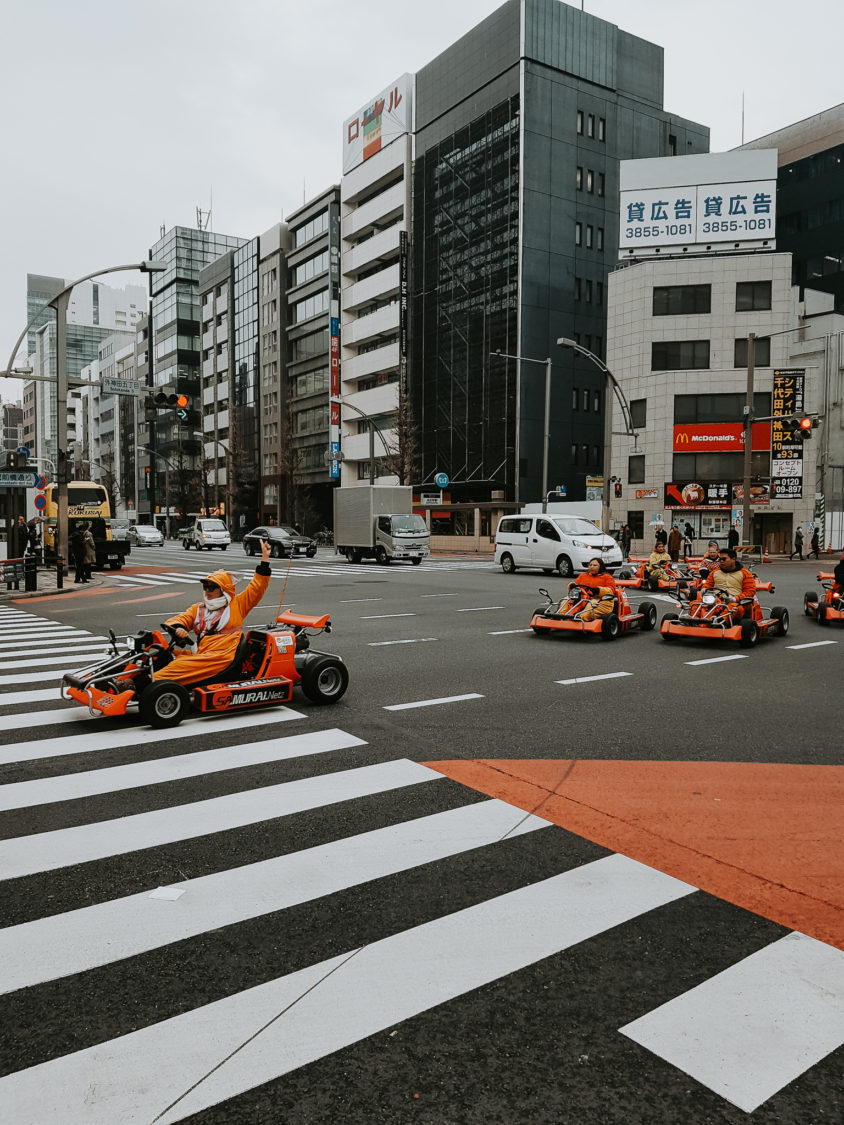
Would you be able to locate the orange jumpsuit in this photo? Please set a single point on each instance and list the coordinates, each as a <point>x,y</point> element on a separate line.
<point>216,649</point>
<point>593,586</point>
<point>738,583</point>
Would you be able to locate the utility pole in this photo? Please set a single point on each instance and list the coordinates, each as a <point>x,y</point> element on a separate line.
<point>748,436</point>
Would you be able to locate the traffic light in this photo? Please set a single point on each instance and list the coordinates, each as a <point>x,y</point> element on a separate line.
<point>805,427</point>
<point>618,490</point>
<point>182,402</point>
<point>15,459</point>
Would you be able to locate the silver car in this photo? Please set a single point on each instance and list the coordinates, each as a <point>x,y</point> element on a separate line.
<point>145,535</point>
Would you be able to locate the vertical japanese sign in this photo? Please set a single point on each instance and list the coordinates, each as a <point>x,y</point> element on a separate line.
<point>334,336</point>
<point>786,446</point>
<point>380,121</point>
<point>403,284</point>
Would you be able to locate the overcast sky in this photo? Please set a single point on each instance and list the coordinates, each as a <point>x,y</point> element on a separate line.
<point>122,118</point>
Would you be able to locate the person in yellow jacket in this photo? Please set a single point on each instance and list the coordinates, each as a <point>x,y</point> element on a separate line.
<point>216,623</point>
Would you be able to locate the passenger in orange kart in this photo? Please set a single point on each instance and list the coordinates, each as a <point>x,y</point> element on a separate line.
<point>598,586</point>
<point>215,623</point>
<point>731,579</point>
<point>655,566</point>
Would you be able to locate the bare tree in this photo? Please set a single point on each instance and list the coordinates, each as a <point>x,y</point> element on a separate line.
<point>402,457</point>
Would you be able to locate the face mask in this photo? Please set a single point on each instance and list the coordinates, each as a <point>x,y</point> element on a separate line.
<point>213,604</point>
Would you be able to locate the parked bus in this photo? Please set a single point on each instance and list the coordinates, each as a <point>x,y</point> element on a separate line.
<point>87,502</point>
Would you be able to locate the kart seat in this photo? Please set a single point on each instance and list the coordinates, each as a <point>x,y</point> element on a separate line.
<point>250,649</point>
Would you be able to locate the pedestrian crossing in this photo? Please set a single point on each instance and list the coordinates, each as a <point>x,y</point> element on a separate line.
<point>208,913</point>
<point>300,568</point>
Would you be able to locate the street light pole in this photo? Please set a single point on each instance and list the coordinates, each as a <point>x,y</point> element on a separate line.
<point>344,402</point>
<point>564,342</point>
<point>147,449</point>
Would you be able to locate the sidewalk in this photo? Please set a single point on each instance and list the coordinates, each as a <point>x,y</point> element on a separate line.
<point>47,586</point>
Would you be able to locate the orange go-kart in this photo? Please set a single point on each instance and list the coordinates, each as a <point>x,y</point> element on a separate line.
<point>830,607</point>
<point>268,662</point>
<point>563,616</point>
<point>678,576</point>
<point>709,617</point>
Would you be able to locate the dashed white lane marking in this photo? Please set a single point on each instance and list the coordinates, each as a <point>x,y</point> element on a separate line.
<point>589,679</point>
<point>433,702</point>
<point>413,641</point>
<point>439,595</point>
<point>380,616</point>
<point>813,644</point>
<point>479,608</point>
<point>507,632</point>
<point>349,601</point>
<point>717,659</point>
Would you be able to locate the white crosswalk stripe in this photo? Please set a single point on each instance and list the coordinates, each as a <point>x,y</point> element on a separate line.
<point>300,570</point>
<point>180,841</point>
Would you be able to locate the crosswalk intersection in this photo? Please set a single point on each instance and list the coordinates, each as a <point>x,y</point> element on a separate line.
<point>347,892</point>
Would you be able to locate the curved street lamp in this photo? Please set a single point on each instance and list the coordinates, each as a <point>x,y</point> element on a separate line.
<point>564,342</point>
<point>372,429</point>
<point>60,304</point>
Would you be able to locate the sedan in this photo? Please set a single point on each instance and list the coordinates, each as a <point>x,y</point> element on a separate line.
<point>145,535</point>
<point>285,541</point>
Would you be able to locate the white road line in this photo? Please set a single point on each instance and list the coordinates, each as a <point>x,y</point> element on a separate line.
<point>439,595</point>
<point>171,578</point>
<point>10,633</point>
<point>44,718</point>
<point>507,632</point>
<point>46,695</point>
<point>757,1026</point>
<point>381,616</point>
<point>67,645</point>
<point>80,940</point>
<point>716,659</point>
<point>348,601</point>
<point>432,702</point>
<point>84,655</point>
<point>813,644</point>
<point>381,984</point>
<point>92,783</point>
<point>37,677</point>
<point>105,737</point>
<point>412,641</point>
<point>590,679</point>
<point>479,609</point>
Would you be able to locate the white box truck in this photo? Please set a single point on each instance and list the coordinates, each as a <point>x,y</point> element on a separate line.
<point>377,521</point>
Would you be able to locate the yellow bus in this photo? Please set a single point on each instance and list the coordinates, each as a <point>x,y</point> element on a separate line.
<point>87,502</point>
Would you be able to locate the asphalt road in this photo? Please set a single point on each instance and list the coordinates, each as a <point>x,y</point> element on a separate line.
<point>344,934</point>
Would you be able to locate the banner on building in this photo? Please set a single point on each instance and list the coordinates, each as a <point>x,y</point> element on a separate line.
<point>693,494</point>
<point>403,311</point>
<point>725,437</point>
<point>786,446</point>
<point>381,121</point>
<point>334,335</point>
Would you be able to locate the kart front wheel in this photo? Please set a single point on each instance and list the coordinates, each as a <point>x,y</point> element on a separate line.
<point>325,679</point>
<point>809,598</point>
<point>164,704</point>
<point>610,627</point>
<point>749,634</point>
<point>667,636</point>
<point>822,617</point>
<point>648,611</point>
<point>780,613</point>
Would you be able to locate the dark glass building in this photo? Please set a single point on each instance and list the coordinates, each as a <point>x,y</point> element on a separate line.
<point>519,129</point>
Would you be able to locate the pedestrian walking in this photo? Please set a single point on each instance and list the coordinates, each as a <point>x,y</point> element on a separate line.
<point>77,550</point>
<point>815,543</point>
<point>90,551</point>
<point>675,540</point>
<point>798,544</point>
<point>733,537</point>
<point>688,540</point>
<point>626,538</point>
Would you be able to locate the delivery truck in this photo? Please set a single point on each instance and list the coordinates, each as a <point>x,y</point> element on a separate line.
<point>377,522</point>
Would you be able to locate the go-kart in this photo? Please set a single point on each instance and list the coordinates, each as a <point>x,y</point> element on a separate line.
<point>269,660</point>
<point>677,577</point>
<point>709,617</point>
<point>831,607</point>
<point>563,615</point>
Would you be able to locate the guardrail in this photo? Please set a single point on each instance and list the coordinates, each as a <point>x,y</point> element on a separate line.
<point>15,571</point>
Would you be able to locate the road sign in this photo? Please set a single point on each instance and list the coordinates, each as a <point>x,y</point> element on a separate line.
<point>183,415</point>
<point>40,482</point>
<point>22,479</point>
<point>441,480</point>
<point>561,488</point>
<point>40,502</point>
<point>23,449</point>
<point>113,386</point>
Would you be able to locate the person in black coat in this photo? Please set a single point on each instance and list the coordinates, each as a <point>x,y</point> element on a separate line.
<point>816,543</point>
<point>798,544</point>
<point>79,551</point>
<point>733,538</point>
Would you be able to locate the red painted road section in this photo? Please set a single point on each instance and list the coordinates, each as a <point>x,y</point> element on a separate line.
<point>767,838</point>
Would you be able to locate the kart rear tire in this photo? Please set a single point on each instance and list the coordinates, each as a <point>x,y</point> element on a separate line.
<point>822,617</point>
<point>668,617</point>
<point>164,704</point>
<point>325,679</point>
<point>564,567</point>
<point>809,598</point>
<point>780,613</point>
<point>649,620</point>
<point>610,627</point>
<point>507,564</point>
<point>749,634</point>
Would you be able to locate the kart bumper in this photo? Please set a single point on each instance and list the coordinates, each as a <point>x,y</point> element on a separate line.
<point>104,702</point>
<point>702,632</point>
<point>566,624</point>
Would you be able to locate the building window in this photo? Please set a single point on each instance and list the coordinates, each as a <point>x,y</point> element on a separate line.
<point>596,401</point>
<point>590,180</point>
<point>681,300</point>
<point>698,409</point>
<point>573,457</point>
<point>578,233</point>
<point>577,289</point>
<point>588,292</point>
<point>601,183</point>
<point>579,179</point>
<point>680,355</point>
<point>761,353</point>
<point>719,466</point>
<point>639,413</point>
<point>636,469</point>
<point>589,234</point>
<point>585,399</point>
<point>580,121</point>
<point>602,129</point>
<point>600,242</point>
<point>751,296</point>
<point>590,125</point>
<point>575,400</point>
<point>672,145</point>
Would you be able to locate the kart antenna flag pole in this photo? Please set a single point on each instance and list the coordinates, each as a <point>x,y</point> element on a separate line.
<point>284,585</point>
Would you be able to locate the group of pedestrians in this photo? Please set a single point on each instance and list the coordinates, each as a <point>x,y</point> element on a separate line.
<point>815,543</point>
<point>84,551</point>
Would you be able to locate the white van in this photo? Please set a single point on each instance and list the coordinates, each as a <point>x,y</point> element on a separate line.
<point>552,542</point>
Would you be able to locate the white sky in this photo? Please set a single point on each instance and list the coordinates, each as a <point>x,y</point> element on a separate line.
<point>121,116</point>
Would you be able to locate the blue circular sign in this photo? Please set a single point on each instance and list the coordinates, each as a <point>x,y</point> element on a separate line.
<point>40,482</point>
<point>441,480</point>
<point>40,503</point>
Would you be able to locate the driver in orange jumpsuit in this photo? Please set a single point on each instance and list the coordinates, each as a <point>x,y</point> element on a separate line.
<point>731,579</point>
<point>215,623</point>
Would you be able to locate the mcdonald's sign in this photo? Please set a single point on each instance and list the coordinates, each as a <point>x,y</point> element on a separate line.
<point>720,437</point>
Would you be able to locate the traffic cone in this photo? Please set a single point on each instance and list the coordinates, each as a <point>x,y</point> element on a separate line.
<point>767,557</point>
<point>829,549</point>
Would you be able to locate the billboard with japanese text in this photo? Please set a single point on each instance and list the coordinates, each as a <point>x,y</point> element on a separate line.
<point>378,123</point>
<point>713,201</point>
<point>786,446</point>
